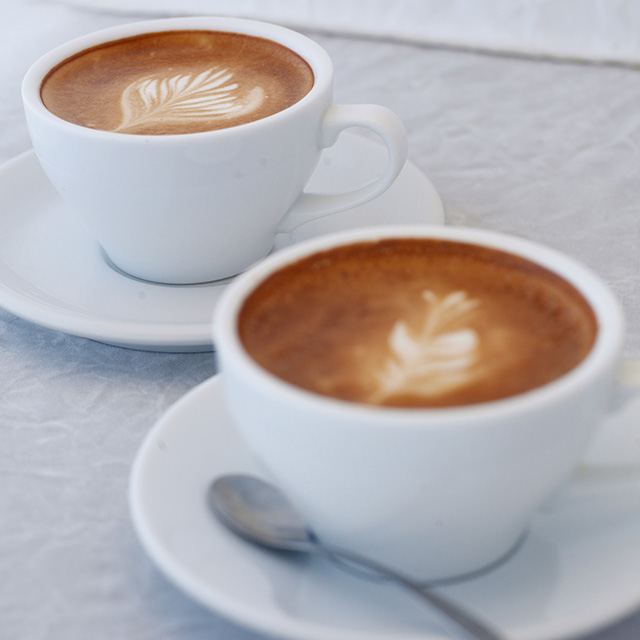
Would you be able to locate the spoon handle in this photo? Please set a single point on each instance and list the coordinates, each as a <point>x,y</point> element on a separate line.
<point>458,623</point>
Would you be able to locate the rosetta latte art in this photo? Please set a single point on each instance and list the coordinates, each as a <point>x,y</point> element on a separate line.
<point>438,358</point>
<point>185,97</point>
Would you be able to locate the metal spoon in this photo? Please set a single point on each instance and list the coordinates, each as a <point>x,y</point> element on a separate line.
<point>258,512</point>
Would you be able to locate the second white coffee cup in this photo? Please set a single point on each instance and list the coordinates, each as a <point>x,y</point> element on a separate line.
<point>434,492</point>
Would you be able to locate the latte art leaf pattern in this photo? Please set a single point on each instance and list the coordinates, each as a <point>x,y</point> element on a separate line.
<point>209,94</point>
<point>438,358</point>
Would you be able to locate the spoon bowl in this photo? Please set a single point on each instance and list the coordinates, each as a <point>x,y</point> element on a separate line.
<point>258,512</point>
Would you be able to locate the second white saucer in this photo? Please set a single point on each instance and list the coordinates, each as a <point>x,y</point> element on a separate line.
<point>54,274</point>
<point>576,570</point>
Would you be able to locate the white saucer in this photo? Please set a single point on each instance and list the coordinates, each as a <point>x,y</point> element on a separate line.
<point>576,570</point>
<point>53,273</point>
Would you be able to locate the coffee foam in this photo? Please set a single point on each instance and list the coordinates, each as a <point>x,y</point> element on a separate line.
<point>417,323</point>
<point>185,99</point>
<point>176,82</point>
<point>441,356</point>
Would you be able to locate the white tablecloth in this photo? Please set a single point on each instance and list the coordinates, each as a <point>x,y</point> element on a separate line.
<point>545,149</point>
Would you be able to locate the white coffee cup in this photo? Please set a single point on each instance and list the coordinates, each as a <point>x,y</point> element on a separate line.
<point>433,492</point>
<point>203,206</point>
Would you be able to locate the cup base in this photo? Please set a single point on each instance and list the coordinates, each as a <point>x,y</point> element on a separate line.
<point>476,573</point>
<point>159,283</point>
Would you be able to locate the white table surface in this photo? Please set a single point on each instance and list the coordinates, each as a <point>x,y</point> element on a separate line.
<point>544,149</point>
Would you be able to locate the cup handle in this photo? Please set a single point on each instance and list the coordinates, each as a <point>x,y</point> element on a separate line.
<point>627,383</point>
<point>608,472</point>
<point>380,121</point>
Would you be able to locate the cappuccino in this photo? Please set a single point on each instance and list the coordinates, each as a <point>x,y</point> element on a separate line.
<point>416,323</point>
<point>176,82</point>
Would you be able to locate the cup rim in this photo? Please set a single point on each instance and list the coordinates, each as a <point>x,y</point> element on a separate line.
<point>604,353</point>
<point>317,58</point>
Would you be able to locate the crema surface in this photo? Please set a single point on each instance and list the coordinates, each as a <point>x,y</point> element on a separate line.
<point>415,323</point>
<point>176,82</point>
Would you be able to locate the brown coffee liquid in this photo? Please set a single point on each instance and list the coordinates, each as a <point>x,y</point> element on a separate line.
<point>176,82</point>
<point>416,323</point>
